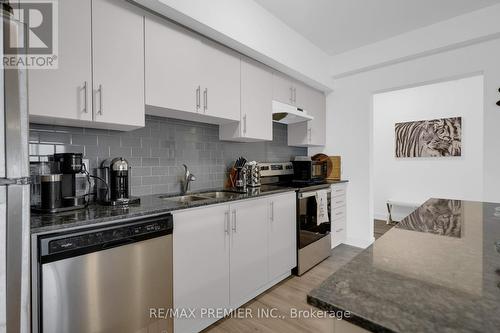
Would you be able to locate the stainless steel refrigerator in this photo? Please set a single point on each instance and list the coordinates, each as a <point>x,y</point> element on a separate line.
<point>14,189</point>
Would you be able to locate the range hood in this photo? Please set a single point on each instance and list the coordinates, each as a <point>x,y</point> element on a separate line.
<point>288,114</point>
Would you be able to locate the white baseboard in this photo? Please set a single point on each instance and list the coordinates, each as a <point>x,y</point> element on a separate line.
<point>361,243</point>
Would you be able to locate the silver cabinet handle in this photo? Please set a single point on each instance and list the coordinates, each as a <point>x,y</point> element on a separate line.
<point>291,94</point>
<point>226,222</point>
<point>101,111</point>
<point>339,230</point>
<point>245,124</point>
<point>234,220</point>
<point>295,95</point>
<point>198,98</point>
<point>85,99</point>
<point>205,100</point>
<point>310,134</point>
<point>272,211</point>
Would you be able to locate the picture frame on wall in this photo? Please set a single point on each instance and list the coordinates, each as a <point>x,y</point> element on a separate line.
<point>429,138</point>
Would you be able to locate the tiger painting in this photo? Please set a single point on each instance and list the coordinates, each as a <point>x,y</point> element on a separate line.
<point>436,216</point>
<point>429,138</point>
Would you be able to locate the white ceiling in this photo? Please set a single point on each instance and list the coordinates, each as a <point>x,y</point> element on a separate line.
<point>336,26</point>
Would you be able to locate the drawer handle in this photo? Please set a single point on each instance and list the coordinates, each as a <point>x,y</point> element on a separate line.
<point>339,213</point>
<point>339,229</point>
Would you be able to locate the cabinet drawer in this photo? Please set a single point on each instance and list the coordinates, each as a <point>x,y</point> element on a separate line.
<point>338,202</point>
<point>338,225</point>
<point>339,236</point>
<point>338,213</point>
<point>338,190</point>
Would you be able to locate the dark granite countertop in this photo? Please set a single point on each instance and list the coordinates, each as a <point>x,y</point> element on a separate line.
<point>150,205</point>
<point>337,181</point>
<point>438,270</point>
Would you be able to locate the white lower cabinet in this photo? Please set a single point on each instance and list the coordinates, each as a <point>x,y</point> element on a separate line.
<point>201,264</point>
<point>248,264</point>
<point>225,255</point>
<point>282,237</point>
<point>338,214</point>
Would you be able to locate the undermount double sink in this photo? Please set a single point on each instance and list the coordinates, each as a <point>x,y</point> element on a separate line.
<point>197,197</point>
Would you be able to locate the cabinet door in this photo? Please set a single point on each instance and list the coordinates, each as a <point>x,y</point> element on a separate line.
<point>118,40</point>
<point>282,88</point>
<point>65,92</point>
<point>316,107</point>
<point>220,81</point>
<point>313,132</point>
<point>172,66</point>
<point>201,263</point>
<point>282,235</point>
<point>256,100</point>
<point>248,268</point>
<point>301,94</point>
<point>256,122</point>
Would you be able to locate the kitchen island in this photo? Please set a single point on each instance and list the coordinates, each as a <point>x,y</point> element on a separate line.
<point>438,270</point>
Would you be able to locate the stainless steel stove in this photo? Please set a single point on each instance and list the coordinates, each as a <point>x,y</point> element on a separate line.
<point>313,238</point>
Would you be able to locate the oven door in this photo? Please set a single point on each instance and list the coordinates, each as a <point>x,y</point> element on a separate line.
<point>308,229</point>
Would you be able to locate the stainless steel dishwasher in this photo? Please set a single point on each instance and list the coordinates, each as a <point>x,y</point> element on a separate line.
<point>109,279</point>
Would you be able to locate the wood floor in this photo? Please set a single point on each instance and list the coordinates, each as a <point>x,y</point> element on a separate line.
<point>287,295</point>
<point>381,227</point>
<point>291,294</point>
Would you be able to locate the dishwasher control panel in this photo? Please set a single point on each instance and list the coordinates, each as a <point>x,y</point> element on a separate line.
<point>105,237</point>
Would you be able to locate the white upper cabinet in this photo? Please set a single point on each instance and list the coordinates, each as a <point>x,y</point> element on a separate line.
<point>283,89</point>
<point>172,67</point>
<point>118,40</point>
<point>189,77</point>
<point>114,97</point>
<point>65,93</point>
<point>292,92</point>
<point>220,81</point>
<point>311,133</point>
<point>255,123</point>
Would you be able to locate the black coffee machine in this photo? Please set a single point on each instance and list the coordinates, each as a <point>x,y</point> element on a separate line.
<point>70,167</point>
<point>114,189</point>
<point>61,186</point>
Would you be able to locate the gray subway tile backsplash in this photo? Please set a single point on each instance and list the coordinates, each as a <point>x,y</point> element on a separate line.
<point>157,152</point>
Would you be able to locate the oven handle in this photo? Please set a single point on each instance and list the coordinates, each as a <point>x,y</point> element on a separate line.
<point>311,194</point>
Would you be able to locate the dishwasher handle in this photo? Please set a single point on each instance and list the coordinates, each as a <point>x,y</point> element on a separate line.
<point>69,244</point>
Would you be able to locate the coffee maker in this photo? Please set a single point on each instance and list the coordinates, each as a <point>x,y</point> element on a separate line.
<point>73,179</point>
<point>114,187</point>
<point>59,185</point>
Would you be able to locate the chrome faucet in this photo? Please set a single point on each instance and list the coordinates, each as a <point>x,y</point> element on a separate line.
<point>188,178</point>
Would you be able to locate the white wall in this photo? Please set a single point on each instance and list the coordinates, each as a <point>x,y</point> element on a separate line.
<point>414,180</point>
<point>349,122</point>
